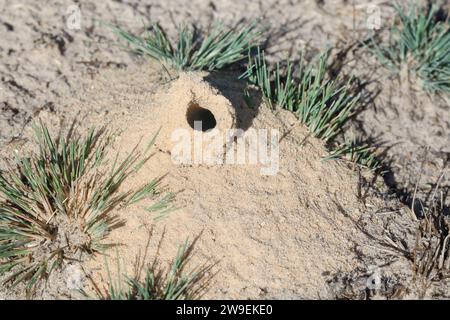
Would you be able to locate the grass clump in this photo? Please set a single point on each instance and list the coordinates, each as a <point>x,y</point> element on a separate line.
<point>56,204</point>
<point>323,105</point>
<point>193,50</point>
<point>420,43</point>
<point>172,283</point>
<point>360,153</point>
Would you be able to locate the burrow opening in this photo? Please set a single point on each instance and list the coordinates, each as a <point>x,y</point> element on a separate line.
<point>196,113</point>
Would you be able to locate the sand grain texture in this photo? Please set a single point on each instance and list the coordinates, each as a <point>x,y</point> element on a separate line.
<point>270,236</point>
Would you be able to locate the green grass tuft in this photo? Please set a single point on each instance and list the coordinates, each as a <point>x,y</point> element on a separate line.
<point>360,153</point>
<point>57,204</point>
<point>158,284</point>
<point>193,51</point>
<point>321,104</point>
<point>420,42</point>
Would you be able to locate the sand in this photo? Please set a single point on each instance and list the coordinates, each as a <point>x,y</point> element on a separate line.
<point>43,64</point>
<point>268,236</point>
<point>296,234</point>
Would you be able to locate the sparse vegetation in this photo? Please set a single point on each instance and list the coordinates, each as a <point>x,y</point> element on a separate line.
<point>172,283</point>
<point>321,104</point>
<point>420,43</point>
<point>356,152</point>
<point>420,240</point>
<point>430,256</point>
<point>57,204</point>
<point>193,50</point>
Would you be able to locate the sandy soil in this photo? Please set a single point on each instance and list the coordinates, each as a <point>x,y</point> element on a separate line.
<point>59,74</point>
<point>271,236</point>
<point>297,234</point>
<point>43,62</point>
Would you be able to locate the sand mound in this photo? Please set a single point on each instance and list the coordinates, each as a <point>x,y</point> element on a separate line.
<point>277,235</point>
<point>190,100</point>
